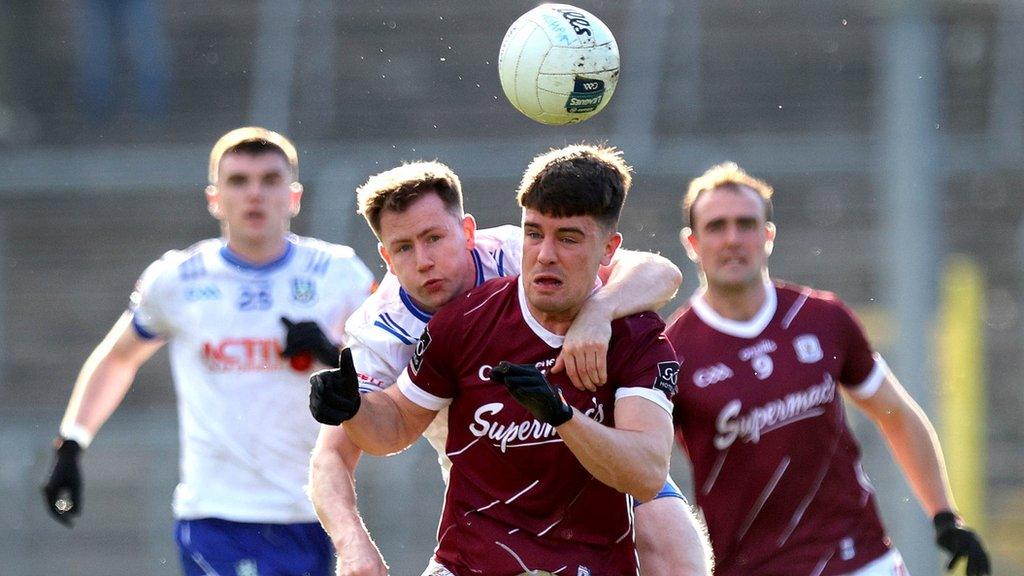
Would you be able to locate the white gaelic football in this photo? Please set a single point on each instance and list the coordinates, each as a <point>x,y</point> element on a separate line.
<point>558,64</point>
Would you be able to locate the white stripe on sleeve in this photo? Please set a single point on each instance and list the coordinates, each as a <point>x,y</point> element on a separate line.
<point>656,396</point>
<point>420,396</point>
<point>870,385</point>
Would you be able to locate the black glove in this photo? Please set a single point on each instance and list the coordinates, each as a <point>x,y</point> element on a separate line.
<point>63,489</point>
<point>334,394</point>
<point>952,535</point>
<point>531,389</point>
<point>307,336</point>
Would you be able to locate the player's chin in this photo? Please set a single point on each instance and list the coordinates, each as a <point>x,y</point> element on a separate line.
<point>548,301</point>
<point>735,279</point>
<point>434,298</point>
<point>255,227</point>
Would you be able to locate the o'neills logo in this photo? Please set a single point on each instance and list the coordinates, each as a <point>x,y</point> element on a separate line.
<point>775,414</point>
<point>519,434</point>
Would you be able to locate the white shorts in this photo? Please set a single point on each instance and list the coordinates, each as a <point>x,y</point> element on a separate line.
<point>888,564</point>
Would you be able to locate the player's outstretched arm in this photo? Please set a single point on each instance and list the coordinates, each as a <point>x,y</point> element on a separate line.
<point>915,446</point>
<point>388,422</point>
<point>379,423</point>
<point>634,282</point>
<point>332,490</point>
<point>103,381</point>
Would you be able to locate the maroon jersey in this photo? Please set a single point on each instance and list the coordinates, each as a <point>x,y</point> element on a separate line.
<point>776,470</point>
<point>517,498</point>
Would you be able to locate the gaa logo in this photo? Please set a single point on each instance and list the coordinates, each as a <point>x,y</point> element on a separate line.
<point>808,348</point>
<point>711,375</point>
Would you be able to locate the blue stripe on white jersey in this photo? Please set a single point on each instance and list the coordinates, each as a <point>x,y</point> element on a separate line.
<point>391,322</point>
<point>142,332</point>
<point>479,268</point>
<point>411,306</point>
<point>318,263</point>
<point>192,268</point>
<point>387,325</point>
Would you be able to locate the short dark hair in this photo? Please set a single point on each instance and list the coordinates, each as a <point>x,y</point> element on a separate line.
<point>397,188</point>
<point>577,180</point>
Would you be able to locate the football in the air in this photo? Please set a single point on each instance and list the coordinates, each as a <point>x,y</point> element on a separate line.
<point>558,64</point>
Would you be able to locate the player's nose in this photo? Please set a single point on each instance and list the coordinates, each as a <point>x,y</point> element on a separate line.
<point>732,234</point>
<point>424,260</point>
<point>546,251</point>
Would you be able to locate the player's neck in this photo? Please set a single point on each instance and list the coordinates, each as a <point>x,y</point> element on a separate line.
<point>469,273</point>
<point>739,303</point>
<point>258,252</point>
<point>555,323</point>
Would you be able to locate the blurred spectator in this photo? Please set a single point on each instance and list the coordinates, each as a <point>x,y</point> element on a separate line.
<point>102,29</point>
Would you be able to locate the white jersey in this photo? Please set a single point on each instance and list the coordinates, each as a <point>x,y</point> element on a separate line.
<point>245,429</point>
<point>383,332</point>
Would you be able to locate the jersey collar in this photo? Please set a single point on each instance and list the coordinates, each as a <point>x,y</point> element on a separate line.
<point>749,329</point>
<point>421,314</point>
<point>479,267</point>
<point>549,337</point>
<point>238,262</point>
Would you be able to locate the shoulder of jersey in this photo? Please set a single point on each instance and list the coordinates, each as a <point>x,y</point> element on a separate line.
<point>328,249</point>
<point>385,301</point>
<point>682,314</point>
<point>492,291</point>
<point>790,293</point>
<point>317,257</point>
<point>639,323</point>
<point>188,264</point>
<point>499,236</point>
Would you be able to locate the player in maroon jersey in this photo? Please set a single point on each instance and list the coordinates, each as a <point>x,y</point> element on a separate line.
<point>759,410</point>
<point>538,469</point>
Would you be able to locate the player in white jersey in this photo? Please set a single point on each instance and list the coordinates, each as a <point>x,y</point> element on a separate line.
<point>382,333</point>
<point>436,254</point>
<point>248,317</point>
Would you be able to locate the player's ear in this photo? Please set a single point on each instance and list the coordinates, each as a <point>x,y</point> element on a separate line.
<point>469,229</point>
<point>213,201</point>
<point>295,199</point>
<point>769,235</point>
<point>385,256</point>
<point>689,242</point>
<point>610,246</point>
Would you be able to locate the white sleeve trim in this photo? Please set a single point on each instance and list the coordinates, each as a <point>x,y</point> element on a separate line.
<point>656,396</point>
<point>873,382</point>
<point>418,395</point>
<point>76,432</point>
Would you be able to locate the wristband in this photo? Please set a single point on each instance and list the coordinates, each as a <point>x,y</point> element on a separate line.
<point>76,432</point>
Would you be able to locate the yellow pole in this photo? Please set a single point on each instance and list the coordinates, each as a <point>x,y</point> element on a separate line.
<point>961,399</point>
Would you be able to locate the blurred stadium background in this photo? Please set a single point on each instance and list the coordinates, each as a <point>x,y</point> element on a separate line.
<point>892,130</point>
